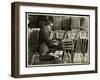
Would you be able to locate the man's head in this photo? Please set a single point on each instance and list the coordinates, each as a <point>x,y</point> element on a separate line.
<point>45,21</point>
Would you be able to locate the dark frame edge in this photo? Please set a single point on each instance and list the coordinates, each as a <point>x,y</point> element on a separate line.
<point>56,74</point>
<point>55,5</point>
<point>96,39</point>
<point>14,40</point>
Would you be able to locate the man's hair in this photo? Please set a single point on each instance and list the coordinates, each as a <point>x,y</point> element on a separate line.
<point>45,20</point>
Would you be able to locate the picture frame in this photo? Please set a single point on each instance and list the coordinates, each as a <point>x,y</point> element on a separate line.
<point>25,15</point>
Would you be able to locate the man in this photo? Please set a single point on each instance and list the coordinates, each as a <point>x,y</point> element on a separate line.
<point>45,38</point>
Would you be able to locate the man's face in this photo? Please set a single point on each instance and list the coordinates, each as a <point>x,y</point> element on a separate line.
<point>49,27</point>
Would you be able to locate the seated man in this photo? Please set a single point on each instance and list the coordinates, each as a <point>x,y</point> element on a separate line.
<point>45,38</point>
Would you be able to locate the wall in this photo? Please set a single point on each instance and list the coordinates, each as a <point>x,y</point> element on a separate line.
<point>5,40</point>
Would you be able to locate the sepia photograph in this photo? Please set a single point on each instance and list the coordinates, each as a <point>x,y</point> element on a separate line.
<point>57,39</point>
